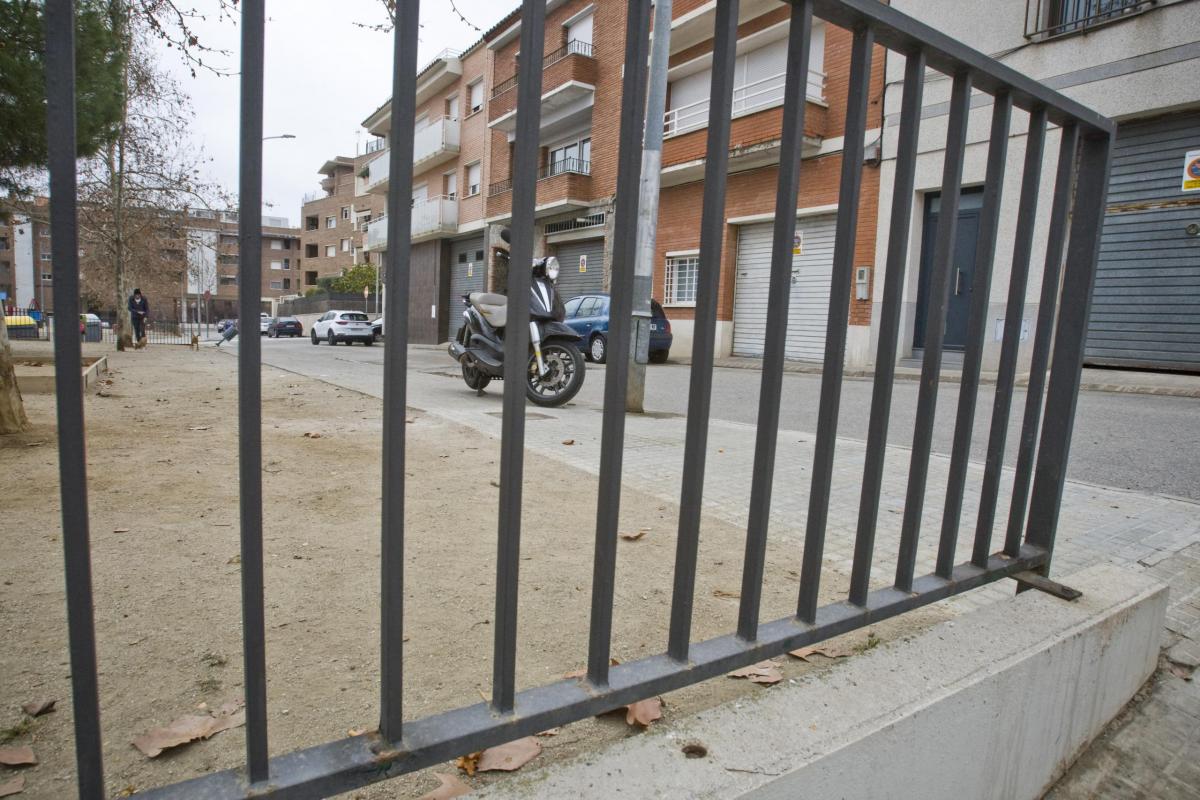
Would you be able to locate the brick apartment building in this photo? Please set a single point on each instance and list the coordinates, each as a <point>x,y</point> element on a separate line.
<point>199,253</point>
<point>463,179</point>
<point>334,220</point>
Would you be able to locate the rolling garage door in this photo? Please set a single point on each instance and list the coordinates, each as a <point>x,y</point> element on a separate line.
<point>468,273</point>
<point>809,303</point>
<point>1146,301</point>
<point>576,277</point>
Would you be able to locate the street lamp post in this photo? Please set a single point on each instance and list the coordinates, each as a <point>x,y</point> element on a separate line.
<point>366,293</point>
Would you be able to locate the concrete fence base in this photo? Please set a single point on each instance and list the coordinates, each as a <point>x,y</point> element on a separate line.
<point>996,704</point>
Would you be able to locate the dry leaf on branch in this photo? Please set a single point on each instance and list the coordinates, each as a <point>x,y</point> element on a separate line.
<point>450,787</point>
<point>468,763</point>
<point>764,672</point>
<point>828,650</point>
<point>633,537</point>
<point>508,757</point>
<point>726,594</point>
<point>35,708</point>
<point>643,712</point>
<point>15,786</point>
<point>189,728</point>
<point>19,756</point>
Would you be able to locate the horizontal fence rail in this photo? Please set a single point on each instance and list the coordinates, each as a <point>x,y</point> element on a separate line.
<point>403,745</point>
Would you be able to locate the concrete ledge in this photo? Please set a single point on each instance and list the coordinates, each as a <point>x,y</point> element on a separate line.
<point>39,379</point>
<point>995,704</point>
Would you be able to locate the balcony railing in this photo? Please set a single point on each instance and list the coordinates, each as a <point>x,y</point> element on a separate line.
<point>438,139</point>
<point>378,169</point>
<point>430,216</point>
<point>567,166</point>
<point>764,93</point>
<point>571,48</point>
<point>1046,18</point>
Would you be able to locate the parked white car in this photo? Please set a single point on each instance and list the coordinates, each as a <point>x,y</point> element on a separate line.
<point>342,326</point>
<point>264,321</point>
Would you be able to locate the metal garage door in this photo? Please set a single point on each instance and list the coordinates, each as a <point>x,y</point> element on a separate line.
<point>576,276</point>
<point>809,308</point>
<point>1146,304</point>
<point>468,273</point>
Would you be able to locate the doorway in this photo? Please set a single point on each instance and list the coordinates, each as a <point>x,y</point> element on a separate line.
<point>962,275</point>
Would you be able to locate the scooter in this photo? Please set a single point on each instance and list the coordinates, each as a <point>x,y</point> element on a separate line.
<point>556,368</point>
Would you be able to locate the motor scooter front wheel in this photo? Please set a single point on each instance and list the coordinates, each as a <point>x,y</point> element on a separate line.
<point>565,370</point>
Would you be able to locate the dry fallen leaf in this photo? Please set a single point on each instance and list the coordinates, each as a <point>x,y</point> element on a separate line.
<point>189,728</point>
<point>568,442</point>
<point>643,712</point>
<point>828,650</point>
<point>312,435</point>
<point>508,757</point>
<point>120,530</point>
<point>551,731</point>
<point>451,786</point>
<point>200,427</point>
<point>17,756</point>
<point>633,537</point>
<point>1180,671</point>
<point>469,762</point>
<point>765,673</point>
<point>575,673</point>
<point>727,594</point>
<point>15,786</point>
<point>35,708</point>
<point>359,731</point>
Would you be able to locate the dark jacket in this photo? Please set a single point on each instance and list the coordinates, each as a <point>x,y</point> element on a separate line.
<point>136,305</point>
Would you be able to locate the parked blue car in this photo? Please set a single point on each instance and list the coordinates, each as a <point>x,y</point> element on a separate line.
<point>587,315</point>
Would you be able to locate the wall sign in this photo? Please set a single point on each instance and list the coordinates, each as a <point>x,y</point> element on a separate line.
<point>583,263</point>
<point>1191,171</point>
<point>798,244</point>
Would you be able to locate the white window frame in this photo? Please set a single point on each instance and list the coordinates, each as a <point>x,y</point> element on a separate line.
<point>671,281</point>
<point>276,265</point>
<point>330,221</point>
<point>474,188</point>
<point>47,256</point>
<point>277,286</point>
<point>345,212</point>
<point>346,244</point>
<point>47,276</point>
<point>330,250</point>
<point>453,107</point>
<point>277,244</point>
<point>450,184</point>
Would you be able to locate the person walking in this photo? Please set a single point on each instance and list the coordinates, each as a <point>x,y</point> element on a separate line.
<point>139,310</point>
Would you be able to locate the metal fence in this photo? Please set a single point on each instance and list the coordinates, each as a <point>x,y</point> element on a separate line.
<point>1046,18</point>
<point>27,323</point>
<point>402,746</point>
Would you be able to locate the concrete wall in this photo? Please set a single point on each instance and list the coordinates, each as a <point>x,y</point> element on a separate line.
<point>1137,67</point>
<point>996,704</point>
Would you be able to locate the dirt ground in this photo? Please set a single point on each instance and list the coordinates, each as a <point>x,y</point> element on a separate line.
<point>162,470</point>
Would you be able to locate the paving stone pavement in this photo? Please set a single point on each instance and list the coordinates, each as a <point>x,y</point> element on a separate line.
<point>1153,749</point>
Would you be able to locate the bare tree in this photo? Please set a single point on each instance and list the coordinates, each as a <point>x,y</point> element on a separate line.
<point>132,195</point>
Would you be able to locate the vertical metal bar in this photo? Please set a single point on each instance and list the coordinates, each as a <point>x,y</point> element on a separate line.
<point>712,233</point>
<point>889,324</point>
<point>516,352</point>
<point>250,390</point>
<point>395,368</point>
<point>616,378</point>
<point>835,328</point>
<point>981,288</point>
<point>1083,250</point>
<point>1060,210</point>
<point>1035,146</point>
<point>939,292</point>
<point>68,385</point>
<point>787,190</point>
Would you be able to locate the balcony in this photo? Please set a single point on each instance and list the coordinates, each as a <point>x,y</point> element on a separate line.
<point>757,96</point>
<point>568,90</point>
<point>376,173</point>
<point>435,144</point>
<point>431,219</point>
<point>561,186</point>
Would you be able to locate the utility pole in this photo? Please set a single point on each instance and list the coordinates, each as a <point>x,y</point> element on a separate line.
<point>643,273</point>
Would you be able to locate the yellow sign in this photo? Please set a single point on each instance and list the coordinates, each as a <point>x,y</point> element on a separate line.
<point>798,244</point>
<point>470,269</point>
<point>1191,171</point>
<point>583,263</point>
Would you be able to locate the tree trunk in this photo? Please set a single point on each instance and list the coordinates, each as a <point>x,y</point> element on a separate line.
<point>116,178</point>
<point>12,409</point>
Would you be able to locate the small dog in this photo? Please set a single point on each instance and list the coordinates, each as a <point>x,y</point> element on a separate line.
<point>195,342</point>
<point>140,343</point>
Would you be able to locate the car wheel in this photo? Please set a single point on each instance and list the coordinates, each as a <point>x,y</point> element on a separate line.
<point>332,341</point>
<point>659,356</point>
<point>369,342</point>
<point>598,349</point>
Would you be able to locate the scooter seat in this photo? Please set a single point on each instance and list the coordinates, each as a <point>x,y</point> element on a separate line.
<point>494,307</point>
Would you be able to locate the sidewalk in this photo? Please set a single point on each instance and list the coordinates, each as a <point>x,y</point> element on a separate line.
<point>1094,379</point>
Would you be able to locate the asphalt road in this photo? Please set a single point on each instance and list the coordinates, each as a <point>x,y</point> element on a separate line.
<point>1130,441</point>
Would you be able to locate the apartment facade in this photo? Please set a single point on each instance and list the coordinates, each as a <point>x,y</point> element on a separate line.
<point>333,221</point>
<point>582,57</point>
<point>1132,60</point>
<point>213,259</point>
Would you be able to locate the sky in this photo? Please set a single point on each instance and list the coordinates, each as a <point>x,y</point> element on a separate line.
<point>324,75</point>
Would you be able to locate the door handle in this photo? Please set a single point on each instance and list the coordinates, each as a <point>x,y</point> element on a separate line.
<point>958,273</point>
